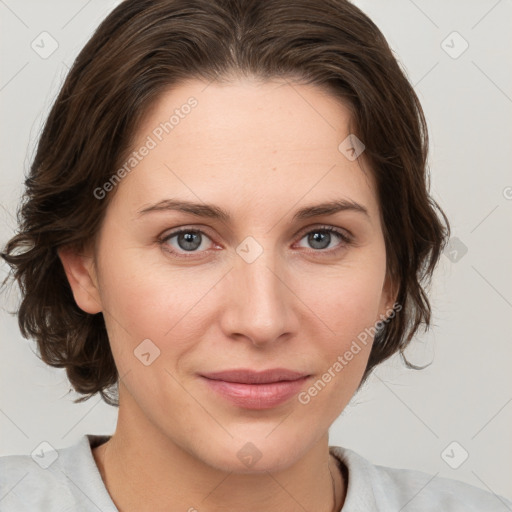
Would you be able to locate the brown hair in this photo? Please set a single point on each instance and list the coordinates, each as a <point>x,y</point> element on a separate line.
<point>146,46</point>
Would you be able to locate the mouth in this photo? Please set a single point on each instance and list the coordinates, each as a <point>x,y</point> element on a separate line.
<point>251,389</point>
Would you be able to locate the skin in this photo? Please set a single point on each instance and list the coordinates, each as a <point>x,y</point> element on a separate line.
<point>260,151</point>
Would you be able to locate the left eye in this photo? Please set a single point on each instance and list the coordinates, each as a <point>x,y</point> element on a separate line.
<point>321,238</point>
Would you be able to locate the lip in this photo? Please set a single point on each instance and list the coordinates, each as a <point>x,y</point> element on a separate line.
<point>251,389</point>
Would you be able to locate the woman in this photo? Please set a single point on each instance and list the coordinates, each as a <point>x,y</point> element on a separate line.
<point>227,227</point>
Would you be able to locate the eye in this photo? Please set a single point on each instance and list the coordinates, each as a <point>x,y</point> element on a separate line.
<point>186,241</point>
<point>320,239</point>
<point>195,241</point>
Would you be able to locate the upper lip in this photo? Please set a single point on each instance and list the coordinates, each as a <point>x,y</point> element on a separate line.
<point>246,376</point>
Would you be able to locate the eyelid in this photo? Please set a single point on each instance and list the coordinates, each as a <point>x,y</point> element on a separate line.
<point>169,233</point>
<point>327,227</point>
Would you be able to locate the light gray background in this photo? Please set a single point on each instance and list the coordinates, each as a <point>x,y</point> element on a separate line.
<point>402,418</point>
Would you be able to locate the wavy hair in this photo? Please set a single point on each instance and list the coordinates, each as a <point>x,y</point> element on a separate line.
<point>139,51</point>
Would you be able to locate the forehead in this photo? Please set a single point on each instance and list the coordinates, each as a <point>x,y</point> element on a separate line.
<point>247,141</point>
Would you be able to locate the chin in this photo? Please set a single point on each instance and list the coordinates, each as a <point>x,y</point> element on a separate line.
<point>253,451</point>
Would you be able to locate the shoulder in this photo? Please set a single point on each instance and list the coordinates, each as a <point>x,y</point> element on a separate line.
<point>386,488</point>
<point>25,485</point>
<point>59,480</point>
<point>427,491</point>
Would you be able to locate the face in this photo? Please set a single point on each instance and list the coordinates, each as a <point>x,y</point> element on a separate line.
<point>269,284</point>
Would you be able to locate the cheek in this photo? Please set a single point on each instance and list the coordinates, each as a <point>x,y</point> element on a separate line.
<point>346,300</point>
<point>344,362</point>
<point>155,302</point>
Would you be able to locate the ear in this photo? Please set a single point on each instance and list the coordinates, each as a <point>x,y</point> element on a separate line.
<point>389,296</point>
<point>81,273</point>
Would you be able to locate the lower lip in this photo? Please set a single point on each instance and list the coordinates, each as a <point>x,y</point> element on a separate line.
<point>257,396</point>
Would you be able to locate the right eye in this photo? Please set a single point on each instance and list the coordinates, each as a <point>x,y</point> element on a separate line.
<point>184,240</point>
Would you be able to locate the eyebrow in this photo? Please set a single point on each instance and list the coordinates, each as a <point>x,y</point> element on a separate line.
<point>215,212</point>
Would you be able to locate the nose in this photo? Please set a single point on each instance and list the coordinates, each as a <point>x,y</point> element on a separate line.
<point>259,301</point>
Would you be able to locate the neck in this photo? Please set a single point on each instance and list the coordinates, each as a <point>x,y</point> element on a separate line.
<point>145,470</point>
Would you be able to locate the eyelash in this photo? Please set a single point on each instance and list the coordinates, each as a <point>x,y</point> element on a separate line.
<point>345,238</point>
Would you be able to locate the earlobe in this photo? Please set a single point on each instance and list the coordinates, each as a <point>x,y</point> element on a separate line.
<point>390,294</point>
<point>80,271</point>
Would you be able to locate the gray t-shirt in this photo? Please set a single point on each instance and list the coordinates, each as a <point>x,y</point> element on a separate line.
<point>68,480</point>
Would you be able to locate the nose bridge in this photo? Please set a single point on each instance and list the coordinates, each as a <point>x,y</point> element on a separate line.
<point>260,308</point>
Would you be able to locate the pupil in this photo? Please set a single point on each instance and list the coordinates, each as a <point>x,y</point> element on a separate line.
<point>320,238</point>
<point>188,241</point>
